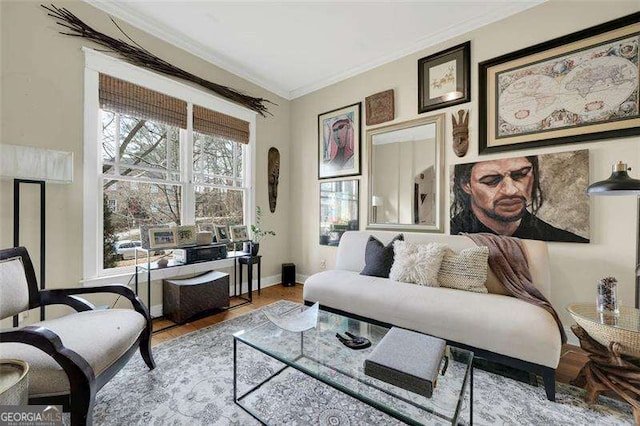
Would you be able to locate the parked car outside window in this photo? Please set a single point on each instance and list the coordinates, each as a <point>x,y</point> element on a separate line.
<point>126,249</point>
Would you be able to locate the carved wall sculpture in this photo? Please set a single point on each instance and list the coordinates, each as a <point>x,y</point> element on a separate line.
<point>461,133</point>
<point>273,171</point>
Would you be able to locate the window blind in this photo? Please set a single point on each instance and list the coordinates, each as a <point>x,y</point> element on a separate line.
<point>130,99</point>
<point>218,124</point>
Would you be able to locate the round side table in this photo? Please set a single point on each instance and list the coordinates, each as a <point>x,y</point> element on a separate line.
<point>14,382</point>
<point>613,344</point>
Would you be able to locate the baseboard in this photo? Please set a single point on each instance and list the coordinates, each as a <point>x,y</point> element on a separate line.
<point>301,278</point>
<point>156,310</point>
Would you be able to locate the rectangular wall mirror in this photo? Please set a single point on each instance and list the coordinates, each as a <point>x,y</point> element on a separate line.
<point>406,175</point>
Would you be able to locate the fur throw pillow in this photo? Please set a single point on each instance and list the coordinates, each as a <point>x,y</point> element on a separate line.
<point>417,263</point>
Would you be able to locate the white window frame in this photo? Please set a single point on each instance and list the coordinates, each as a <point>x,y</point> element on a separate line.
<point>96,63</point>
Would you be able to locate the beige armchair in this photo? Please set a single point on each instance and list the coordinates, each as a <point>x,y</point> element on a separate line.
<point>70,357</point>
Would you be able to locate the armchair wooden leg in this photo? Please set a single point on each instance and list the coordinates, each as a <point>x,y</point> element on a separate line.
<point>145,351</point>
<point>83,398</point>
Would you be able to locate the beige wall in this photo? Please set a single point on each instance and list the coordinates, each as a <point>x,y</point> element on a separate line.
<point>42,105</point>
<point>575,268</point>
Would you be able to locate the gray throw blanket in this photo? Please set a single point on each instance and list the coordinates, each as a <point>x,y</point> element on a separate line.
<point>508,260</point>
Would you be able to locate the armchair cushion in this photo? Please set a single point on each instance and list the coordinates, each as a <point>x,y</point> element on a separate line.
<point>15,291</point>
<point>100,337</point>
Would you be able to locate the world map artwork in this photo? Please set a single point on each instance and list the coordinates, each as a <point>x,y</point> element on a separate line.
<point>594,85</point>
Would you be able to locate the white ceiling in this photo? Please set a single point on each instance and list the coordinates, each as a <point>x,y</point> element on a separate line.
<point>294,48</point>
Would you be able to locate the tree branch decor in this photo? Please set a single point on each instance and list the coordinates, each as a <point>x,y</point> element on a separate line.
<point>138,55</point>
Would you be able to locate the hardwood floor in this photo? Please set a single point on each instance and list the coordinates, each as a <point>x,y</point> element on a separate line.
<point>571,361</point>
<point>268,295</point>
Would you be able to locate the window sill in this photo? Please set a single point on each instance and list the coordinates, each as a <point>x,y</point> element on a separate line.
<point>119,278</point>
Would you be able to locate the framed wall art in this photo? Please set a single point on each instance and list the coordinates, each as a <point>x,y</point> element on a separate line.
<point>339,142</point>
<point>536,197</point>
<point>339,210</point>
<point>380,107</point>
<point>576,88</point>
<point>444,79</point>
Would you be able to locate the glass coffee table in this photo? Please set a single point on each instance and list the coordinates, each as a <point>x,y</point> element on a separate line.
<point>318,354</point>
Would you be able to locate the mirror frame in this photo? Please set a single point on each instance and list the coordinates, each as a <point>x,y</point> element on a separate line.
<point>439,121</point>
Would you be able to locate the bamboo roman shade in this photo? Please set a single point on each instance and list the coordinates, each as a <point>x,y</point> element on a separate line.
<point>217,124</point>
<point>127,98</point>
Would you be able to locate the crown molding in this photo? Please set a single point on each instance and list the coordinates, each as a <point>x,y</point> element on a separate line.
<point>124,12</point>
<point>453,31</point>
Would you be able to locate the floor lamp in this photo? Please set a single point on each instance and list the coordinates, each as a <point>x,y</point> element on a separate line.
<point>37,166</point>
<point>620,183</point>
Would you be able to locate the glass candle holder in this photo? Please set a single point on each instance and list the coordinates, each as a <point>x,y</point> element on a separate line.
<point>607,299</point>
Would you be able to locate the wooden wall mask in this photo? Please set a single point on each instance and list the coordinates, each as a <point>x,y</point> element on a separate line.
<point>273,172</point>
<point>461,133</point>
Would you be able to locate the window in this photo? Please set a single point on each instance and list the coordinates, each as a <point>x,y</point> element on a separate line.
<point>217,174</point>
<point>170,156</point>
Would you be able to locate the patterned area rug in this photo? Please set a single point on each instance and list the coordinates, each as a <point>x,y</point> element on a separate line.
<point>193,385</point>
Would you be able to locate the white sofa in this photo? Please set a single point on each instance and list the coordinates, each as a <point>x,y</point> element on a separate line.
<point>495,326</point>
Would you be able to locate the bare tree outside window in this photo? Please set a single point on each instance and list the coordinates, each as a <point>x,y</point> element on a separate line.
<point>217,166</point>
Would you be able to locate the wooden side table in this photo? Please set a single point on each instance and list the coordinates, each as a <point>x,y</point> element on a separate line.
<point>250,261</point>
<point>613,344</point>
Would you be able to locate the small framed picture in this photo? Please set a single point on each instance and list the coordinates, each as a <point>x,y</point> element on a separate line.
<point>222,235</point>
<point>162,238</point>
<point>380,107</point>
<point>144,233</point>
<point>186,235</point>
<point>239,233</point>
<point>444,79</point>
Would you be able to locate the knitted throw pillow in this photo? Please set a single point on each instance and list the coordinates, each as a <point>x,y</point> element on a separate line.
<point>466,270</point>
<point>417,263</point>
<point>378,258</point>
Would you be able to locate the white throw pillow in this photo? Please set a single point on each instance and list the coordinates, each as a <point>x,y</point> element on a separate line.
<point>466,270</point>
<point>417,263</point>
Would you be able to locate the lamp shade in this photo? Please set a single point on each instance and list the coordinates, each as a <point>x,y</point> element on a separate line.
<point>27,162</point>
<point>376,201</point>
<point>619,183</point>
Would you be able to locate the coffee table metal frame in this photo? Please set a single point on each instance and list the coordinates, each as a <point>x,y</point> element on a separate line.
<point>369,401</point>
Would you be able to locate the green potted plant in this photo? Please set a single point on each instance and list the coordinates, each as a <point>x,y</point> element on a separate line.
<point>258,233</point>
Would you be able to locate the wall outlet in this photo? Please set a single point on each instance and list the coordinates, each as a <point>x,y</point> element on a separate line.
<point>323,264</point>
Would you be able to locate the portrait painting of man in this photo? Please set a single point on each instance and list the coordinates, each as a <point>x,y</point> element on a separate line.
<point>339,142</point>
<point>538,197</point>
